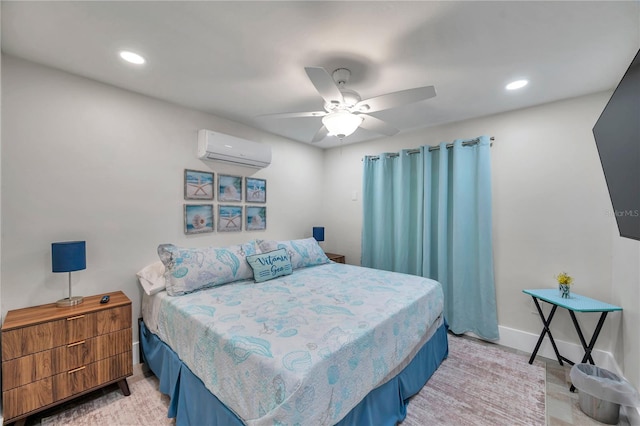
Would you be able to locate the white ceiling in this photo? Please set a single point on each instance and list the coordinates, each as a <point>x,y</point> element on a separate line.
<point>238,60</point>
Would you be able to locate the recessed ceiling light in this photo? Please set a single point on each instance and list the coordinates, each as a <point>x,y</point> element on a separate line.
<point>518,84</point>
<point>134,58</point>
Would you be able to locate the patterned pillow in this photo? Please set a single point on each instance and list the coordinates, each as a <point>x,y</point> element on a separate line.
<point>303,253</point>
<point>267,266</point>
<point>191,269</point>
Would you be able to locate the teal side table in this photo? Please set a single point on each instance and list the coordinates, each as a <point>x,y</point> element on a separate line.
<point>576,303</point>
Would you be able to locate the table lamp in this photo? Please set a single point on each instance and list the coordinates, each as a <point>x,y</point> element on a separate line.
<point>318,233</point>
<point>68,256</point>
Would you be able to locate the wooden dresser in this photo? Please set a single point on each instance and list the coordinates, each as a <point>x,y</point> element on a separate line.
<point>51,354</point>
<point>338,258</point>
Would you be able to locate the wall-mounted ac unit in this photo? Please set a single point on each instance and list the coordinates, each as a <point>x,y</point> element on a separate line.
<point>217,146</point>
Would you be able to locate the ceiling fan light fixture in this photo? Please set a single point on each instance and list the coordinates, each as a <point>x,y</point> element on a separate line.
<point>341,123</point>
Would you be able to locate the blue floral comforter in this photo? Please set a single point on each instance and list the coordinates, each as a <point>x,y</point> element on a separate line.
<point>304,348</point>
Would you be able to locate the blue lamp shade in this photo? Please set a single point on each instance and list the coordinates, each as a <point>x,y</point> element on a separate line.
<point>318,233</point>
<point>68,256</point>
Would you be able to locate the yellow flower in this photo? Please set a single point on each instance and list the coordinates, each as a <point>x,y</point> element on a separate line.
<point>565,279</point>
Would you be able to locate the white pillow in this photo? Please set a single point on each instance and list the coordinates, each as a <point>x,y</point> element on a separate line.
<point>151,278</point>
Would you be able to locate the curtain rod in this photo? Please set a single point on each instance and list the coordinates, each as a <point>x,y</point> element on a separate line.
<point>434,148</point>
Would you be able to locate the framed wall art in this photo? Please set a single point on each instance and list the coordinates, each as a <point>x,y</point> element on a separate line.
<point>229,188</point>
<point>229,218</point>
<point>198,218</point>
<point>256,218</point>
<point>256,190</point>
<point>198,185</point>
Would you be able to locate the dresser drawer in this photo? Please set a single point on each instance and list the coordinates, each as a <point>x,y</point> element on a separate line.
<point>91,375</point>
<point>110,320</point>
<point>36,338</point>
<point>80,353</point>
<point>23,399</point>
<point>40,337</point>
<point>32,396</point>
<point>26,369</point>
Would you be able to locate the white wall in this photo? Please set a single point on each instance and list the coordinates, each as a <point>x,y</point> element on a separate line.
<point>0,157</point>
<point>84,160</point>
<point>1,419</point>
<point>551,213</point>
<point>625,292</point>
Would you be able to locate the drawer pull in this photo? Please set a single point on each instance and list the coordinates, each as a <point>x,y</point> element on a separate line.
<point>76,317</point>
<point>76,344</point>
<point>77,369</point>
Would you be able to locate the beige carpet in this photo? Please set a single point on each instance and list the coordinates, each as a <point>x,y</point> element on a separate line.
<point>481,384</point>
<point>146,406</point>
<point>478,384</point>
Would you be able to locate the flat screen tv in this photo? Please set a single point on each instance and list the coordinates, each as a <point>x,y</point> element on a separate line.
<point>617,135</point>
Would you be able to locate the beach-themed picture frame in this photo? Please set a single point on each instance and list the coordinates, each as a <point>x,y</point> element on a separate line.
<point>256,190</point>
<point>198,185</point>
<point>198,218</point>
<point>256,218</point>
<point>229,218</point>
<point>229,188</point>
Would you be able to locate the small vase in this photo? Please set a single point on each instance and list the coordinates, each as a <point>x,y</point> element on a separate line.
<point>565,291</point>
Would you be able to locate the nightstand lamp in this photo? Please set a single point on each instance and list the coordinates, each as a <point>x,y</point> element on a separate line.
<point>318,233</point>
<point>68,256</point>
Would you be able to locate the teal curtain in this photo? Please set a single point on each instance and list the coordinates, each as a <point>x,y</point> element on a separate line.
<point>429,214</point>
<point>393,193</point>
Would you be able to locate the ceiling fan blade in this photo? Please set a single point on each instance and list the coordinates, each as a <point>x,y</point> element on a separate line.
<point>295,114</point>
<point>370,122</point>
<point>324,84</point>
<point>395,99</point>
<point>320,134</point>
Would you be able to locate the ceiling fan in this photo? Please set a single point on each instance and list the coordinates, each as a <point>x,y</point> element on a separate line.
<point>345,111</point>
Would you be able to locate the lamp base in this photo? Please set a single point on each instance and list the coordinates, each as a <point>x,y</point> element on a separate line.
<point>69,301</point>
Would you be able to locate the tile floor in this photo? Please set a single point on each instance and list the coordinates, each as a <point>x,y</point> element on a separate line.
<point>563,407</point>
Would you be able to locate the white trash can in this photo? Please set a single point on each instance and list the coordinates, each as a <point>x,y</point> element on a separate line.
<point>601,392</point>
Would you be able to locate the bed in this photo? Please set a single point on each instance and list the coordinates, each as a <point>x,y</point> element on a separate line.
<point>326,344</point>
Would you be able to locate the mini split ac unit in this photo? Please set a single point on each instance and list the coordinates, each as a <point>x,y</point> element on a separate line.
<point>230,149</point>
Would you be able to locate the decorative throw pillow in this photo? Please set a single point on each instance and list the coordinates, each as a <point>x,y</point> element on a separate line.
<point>267,266</point>
<point>191,269</point>
<point>302,253</point>
<point>151,278</point>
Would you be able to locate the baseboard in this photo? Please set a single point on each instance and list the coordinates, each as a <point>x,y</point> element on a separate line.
<point>526,342</point>
<point>136,353</point>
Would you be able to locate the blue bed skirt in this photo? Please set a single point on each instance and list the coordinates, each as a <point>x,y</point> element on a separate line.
<point>193,404</point>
